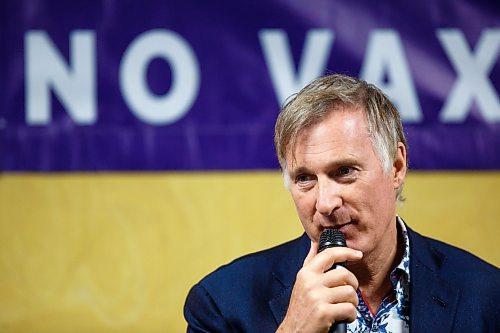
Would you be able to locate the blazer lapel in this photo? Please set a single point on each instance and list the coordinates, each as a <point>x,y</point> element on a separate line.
<point>433,300</point>
<point>284,274</point>
<point>279,304</point>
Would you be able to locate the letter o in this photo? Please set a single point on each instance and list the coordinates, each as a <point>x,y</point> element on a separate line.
<point>170,107</point>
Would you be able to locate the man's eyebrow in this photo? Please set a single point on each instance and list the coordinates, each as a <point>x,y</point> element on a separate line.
<point>331,165</point>
<point>297,171</point>
<point>344,161</point>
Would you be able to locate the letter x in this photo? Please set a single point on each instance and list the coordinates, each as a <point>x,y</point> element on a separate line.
<point>472,75</point>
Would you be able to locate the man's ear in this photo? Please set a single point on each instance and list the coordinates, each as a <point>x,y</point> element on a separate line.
<point>399,166</point>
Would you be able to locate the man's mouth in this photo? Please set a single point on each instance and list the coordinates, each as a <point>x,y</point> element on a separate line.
<point>339,226</point>
<point>343,226</point>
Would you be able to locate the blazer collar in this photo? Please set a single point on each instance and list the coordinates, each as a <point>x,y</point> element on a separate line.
<point>433,300</point>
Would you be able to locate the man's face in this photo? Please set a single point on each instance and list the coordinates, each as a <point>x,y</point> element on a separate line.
<point>337,180</point>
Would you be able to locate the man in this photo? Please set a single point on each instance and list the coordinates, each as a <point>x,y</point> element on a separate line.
<point>343,153</point>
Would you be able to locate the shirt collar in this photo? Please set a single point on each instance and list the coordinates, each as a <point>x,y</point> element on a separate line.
<point>402,270</point>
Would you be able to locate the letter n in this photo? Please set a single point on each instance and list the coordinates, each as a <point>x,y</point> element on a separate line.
<point>72,83</point>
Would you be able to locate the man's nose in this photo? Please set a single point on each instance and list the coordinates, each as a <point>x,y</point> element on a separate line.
<point>329,197</point>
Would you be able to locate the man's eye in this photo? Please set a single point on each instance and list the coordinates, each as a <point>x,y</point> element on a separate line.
<point>301,179</point>
<point>345,171</point>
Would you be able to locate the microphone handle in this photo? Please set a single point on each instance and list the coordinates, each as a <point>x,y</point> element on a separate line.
<point>340,327</point>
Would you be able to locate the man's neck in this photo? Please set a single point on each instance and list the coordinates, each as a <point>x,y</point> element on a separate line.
<point>373,272</point>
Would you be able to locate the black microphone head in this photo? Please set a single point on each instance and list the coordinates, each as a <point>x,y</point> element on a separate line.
<point>331,238</point>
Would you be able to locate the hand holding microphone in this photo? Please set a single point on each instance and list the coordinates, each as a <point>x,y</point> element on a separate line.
<point>323,296</point>
<point>333,238</point>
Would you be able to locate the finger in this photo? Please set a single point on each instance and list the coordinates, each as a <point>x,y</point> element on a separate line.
<point>344,312</point>
<point>312,252</point>
<point>338,312</point>
<point>340,276</point>
<point>341,294</point>
<point>324,261</point>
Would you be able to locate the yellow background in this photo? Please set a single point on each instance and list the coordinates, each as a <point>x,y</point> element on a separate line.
<point>119,252</point>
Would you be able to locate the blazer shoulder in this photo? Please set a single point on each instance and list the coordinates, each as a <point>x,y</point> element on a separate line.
<point>454,264</point>
<point>241,289</point>
<point>258,265</point>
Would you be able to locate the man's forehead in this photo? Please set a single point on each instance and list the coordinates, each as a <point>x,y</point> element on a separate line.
<point>351,122</point>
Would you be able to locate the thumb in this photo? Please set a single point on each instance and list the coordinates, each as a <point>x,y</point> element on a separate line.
<point>312,252</point>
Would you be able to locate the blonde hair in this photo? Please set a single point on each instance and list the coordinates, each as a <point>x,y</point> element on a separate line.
<point>324,95</point>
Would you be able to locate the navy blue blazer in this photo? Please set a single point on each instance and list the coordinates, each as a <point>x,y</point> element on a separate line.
<point>450,290</point>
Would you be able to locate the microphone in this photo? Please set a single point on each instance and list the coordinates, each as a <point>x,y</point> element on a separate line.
<point>333,238</point>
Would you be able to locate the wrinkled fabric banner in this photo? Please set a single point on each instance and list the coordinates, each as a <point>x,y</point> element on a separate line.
<point>192,85</point>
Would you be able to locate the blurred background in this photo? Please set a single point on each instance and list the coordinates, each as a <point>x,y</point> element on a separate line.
<point>136,140</point>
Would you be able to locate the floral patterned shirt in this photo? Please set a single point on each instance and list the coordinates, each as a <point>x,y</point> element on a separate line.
<point>393,315</point>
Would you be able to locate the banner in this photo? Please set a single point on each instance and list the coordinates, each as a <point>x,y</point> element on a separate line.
<point>192,85</point>
<point>91,89</point>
